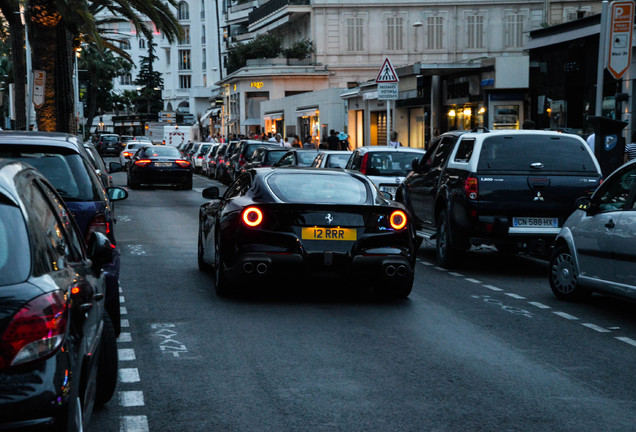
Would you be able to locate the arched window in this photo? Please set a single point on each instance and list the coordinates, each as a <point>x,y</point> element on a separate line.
<point>184,11</point>
<point>142,43</point>
<point>124,44</point>
<point>202,9</point>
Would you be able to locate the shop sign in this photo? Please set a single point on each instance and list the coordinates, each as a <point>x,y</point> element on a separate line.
<point>257,84</point>
<point>621,29</point>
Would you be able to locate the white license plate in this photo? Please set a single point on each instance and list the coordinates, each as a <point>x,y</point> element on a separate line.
<point>535,222</point>
<point>163,164</point>
<point>389,189</point>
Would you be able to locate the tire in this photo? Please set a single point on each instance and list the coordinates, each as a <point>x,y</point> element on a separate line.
<point>564,277</point>
<point>187,185</point>
<point>220,283</point>
<point>107,367</point>
<point>203,266</point>
<point>447,255</point>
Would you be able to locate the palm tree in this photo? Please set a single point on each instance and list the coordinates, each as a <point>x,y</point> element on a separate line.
<point>57,27</point>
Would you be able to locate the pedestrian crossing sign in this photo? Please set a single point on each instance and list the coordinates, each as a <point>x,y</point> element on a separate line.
<point>387,73</point>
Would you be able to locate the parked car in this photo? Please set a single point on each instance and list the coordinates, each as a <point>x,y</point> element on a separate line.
<point>195,147</point>
<point>209,162</point>
<point>98,164</point>
<point>64,162</point>
<point>185,150</point>
<point>219,159</point>
<point>243,155</point>
<point>109,144</point>
<point>298,223</point>
<point>129,150</point>
<point>386,166</point>
<point>58,348</point>
<point>297,157</point>
<point>510,188</point>
<point>197,156</point>
<point>222,168</point>
<point>332,159</point>
<point>159,164</point>
<point>265,156</point>
<point>596,248</point>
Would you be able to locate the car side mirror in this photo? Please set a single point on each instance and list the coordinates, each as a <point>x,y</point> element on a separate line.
<point>100,250</point>
<point>116,193</point>
<point>584,203</point>
<point>114,167</point>
<point>211,193</point>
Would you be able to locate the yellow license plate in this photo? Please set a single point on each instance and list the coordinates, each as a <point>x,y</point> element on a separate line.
<point>318,233</point>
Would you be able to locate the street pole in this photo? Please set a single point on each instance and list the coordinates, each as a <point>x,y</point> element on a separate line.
<point>602,54</point>
<point>76,98</point>
<point>29,67</point>
<point>388,122</point>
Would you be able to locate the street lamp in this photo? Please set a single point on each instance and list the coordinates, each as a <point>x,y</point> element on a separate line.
<point>416,24</point>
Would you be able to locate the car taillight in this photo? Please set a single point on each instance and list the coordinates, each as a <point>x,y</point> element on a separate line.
<point>398,220</point>
<point>241,160</point>
<point>97,224</point>
<point>199,157</point>
<point>182,163</point>
<point>127,154</point>
<point>143,162</point>
<point>36,331</point>
<point>363,165</point>
<point>252,216</point>
<point>471,188</point>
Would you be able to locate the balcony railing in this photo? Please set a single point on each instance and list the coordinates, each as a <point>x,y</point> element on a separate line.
<point>272,6</point>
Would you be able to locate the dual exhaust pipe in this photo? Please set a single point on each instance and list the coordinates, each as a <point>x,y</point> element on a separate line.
<point>260,268</point>
<point>391,270</point>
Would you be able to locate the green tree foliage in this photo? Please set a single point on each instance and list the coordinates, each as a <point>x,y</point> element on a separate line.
<point>151,83</point>
<point>300,50</point>
<point>101,67</point>
<point>262,46</point>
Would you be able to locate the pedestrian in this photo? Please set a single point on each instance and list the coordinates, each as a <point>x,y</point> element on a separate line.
<point>333,143</point>
<point>286,142</point>
<point>394,140</point>
<point>271,138</point>
<point>343,141</point>
<point>296,142</point>
<point>309,144</point>
<point>630,149</point>
<point>278,139</point>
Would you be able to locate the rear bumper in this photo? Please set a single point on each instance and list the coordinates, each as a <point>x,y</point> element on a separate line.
<point>258,267</point>
<point>161,177</point>
<point>498,229</point>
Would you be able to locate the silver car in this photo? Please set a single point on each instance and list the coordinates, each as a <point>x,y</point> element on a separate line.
<point>596,248</point>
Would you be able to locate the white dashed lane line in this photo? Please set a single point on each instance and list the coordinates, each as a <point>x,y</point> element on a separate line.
<point>565,315</point>
<point>129,375</point>
<point>134,424</point>
<point>131,398</point>
<point>124,337</point>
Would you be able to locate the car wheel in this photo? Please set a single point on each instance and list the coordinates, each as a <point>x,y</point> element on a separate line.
<point>203,266</point>
<point>220,282</point>
<point>564,277</point>
<point>107,366</point>
<point>187,185</point>
<point>447,255</point>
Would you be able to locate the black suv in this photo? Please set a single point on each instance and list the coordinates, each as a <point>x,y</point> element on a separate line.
<point>243,154</point>
<point>508,188</point>
<point>109,144</point>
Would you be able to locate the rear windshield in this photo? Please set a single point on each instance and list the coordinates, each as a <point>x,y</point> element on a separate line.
<point>536,153</point>
<point>390,163</point>
<point>136,146</point>
<point>66,172</point>
<point>305,158</point>
<point>250,149</point>
<point>302,187</point>
<point>274,156</point>
<point>15,260</point>
<point>205,148</point>
<point>164,151</point>
<point>337,160</point>
<point>110,139</point>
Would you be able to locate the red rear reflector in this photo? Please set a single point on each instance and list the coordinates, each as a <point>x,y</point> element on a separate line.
<point>182,163</point>
<point>252,216</point>
<point>143,162</point>
<point>36,331</point>
<point>398,220</point>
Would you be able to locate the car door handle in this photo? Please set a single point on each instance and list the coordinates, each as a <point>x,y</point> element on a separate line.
<point>85,307</point>
<point>610,224</point>
<point>98,296</point>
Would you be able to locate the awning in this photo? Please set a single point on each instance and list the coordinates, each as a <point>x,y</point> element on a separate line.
<point>307,112</point>
<point>350,94</point>
<point>274,116</point>
<point>251,122</point>
<point>210,113</point>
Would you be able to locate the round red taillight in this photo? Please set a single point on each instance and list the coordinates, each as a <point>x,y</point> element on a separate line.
<point>252,216</point>
<point>398,219</point>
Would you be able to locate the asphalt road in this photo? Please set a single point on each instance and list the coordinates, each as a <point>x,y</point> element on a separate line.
<point>484,348</point>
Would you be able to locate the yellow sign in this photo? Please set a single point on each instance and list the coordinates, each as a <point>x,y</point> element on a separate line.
<point>257,84</point>
<point>318,233</point>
